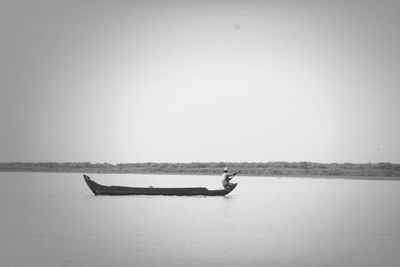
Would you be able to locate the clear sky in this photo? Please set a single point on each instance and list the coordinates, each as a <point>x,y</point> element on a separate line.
<point>184,81</point>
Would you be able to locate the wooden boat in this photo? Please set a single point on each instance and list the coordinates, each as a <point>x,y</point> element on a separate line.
<point>99,189</point>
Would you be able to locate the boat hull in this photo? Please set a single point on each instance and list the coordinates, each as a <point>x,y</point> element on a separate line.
<point>113,190</point>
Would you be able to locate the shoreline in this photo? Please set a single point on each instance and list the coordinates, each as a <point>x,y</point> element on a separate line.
<point>279,169</point>
<point>327,177</point>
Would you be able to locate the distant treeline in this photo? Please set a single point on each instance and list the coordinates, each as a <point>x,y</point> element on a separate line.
<point>367,170</point>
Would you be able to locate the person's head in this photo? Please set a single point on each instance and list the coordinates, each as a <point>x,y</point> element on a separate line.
<point>226,169</point>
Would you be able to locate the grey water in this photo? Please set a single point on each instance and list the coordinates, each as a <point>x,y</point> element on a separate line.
<point>53,219</point>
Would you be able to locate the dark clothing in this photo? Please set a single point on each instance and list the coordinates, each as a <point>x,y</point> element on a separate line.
<point>225,180</point>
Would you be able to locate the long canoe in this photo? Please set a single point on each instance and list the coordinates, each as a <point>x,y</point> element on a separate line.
<point>99,189</point>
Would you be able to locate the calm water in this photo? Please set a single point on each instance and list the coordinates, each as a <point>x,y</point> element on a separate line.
<point>54,220</point>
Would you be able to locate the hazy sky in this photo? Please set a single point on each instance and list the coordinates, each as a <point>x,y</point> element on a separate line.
<point>183,81</point>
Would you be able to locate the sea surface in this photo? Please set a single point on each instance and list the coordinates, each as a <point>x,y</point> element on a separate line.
<point>53,219</point>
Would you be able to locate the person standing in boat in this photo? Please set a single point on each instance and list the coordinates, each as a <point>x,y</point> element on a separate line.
<point>226,177</point>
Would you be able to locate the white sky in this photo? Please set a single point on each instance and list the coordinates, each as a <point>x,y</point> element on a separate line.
<point>183,81</point>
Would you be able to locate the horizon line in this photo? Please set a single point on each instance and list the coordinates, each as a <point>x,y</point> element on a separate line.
<point>226,162</point>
